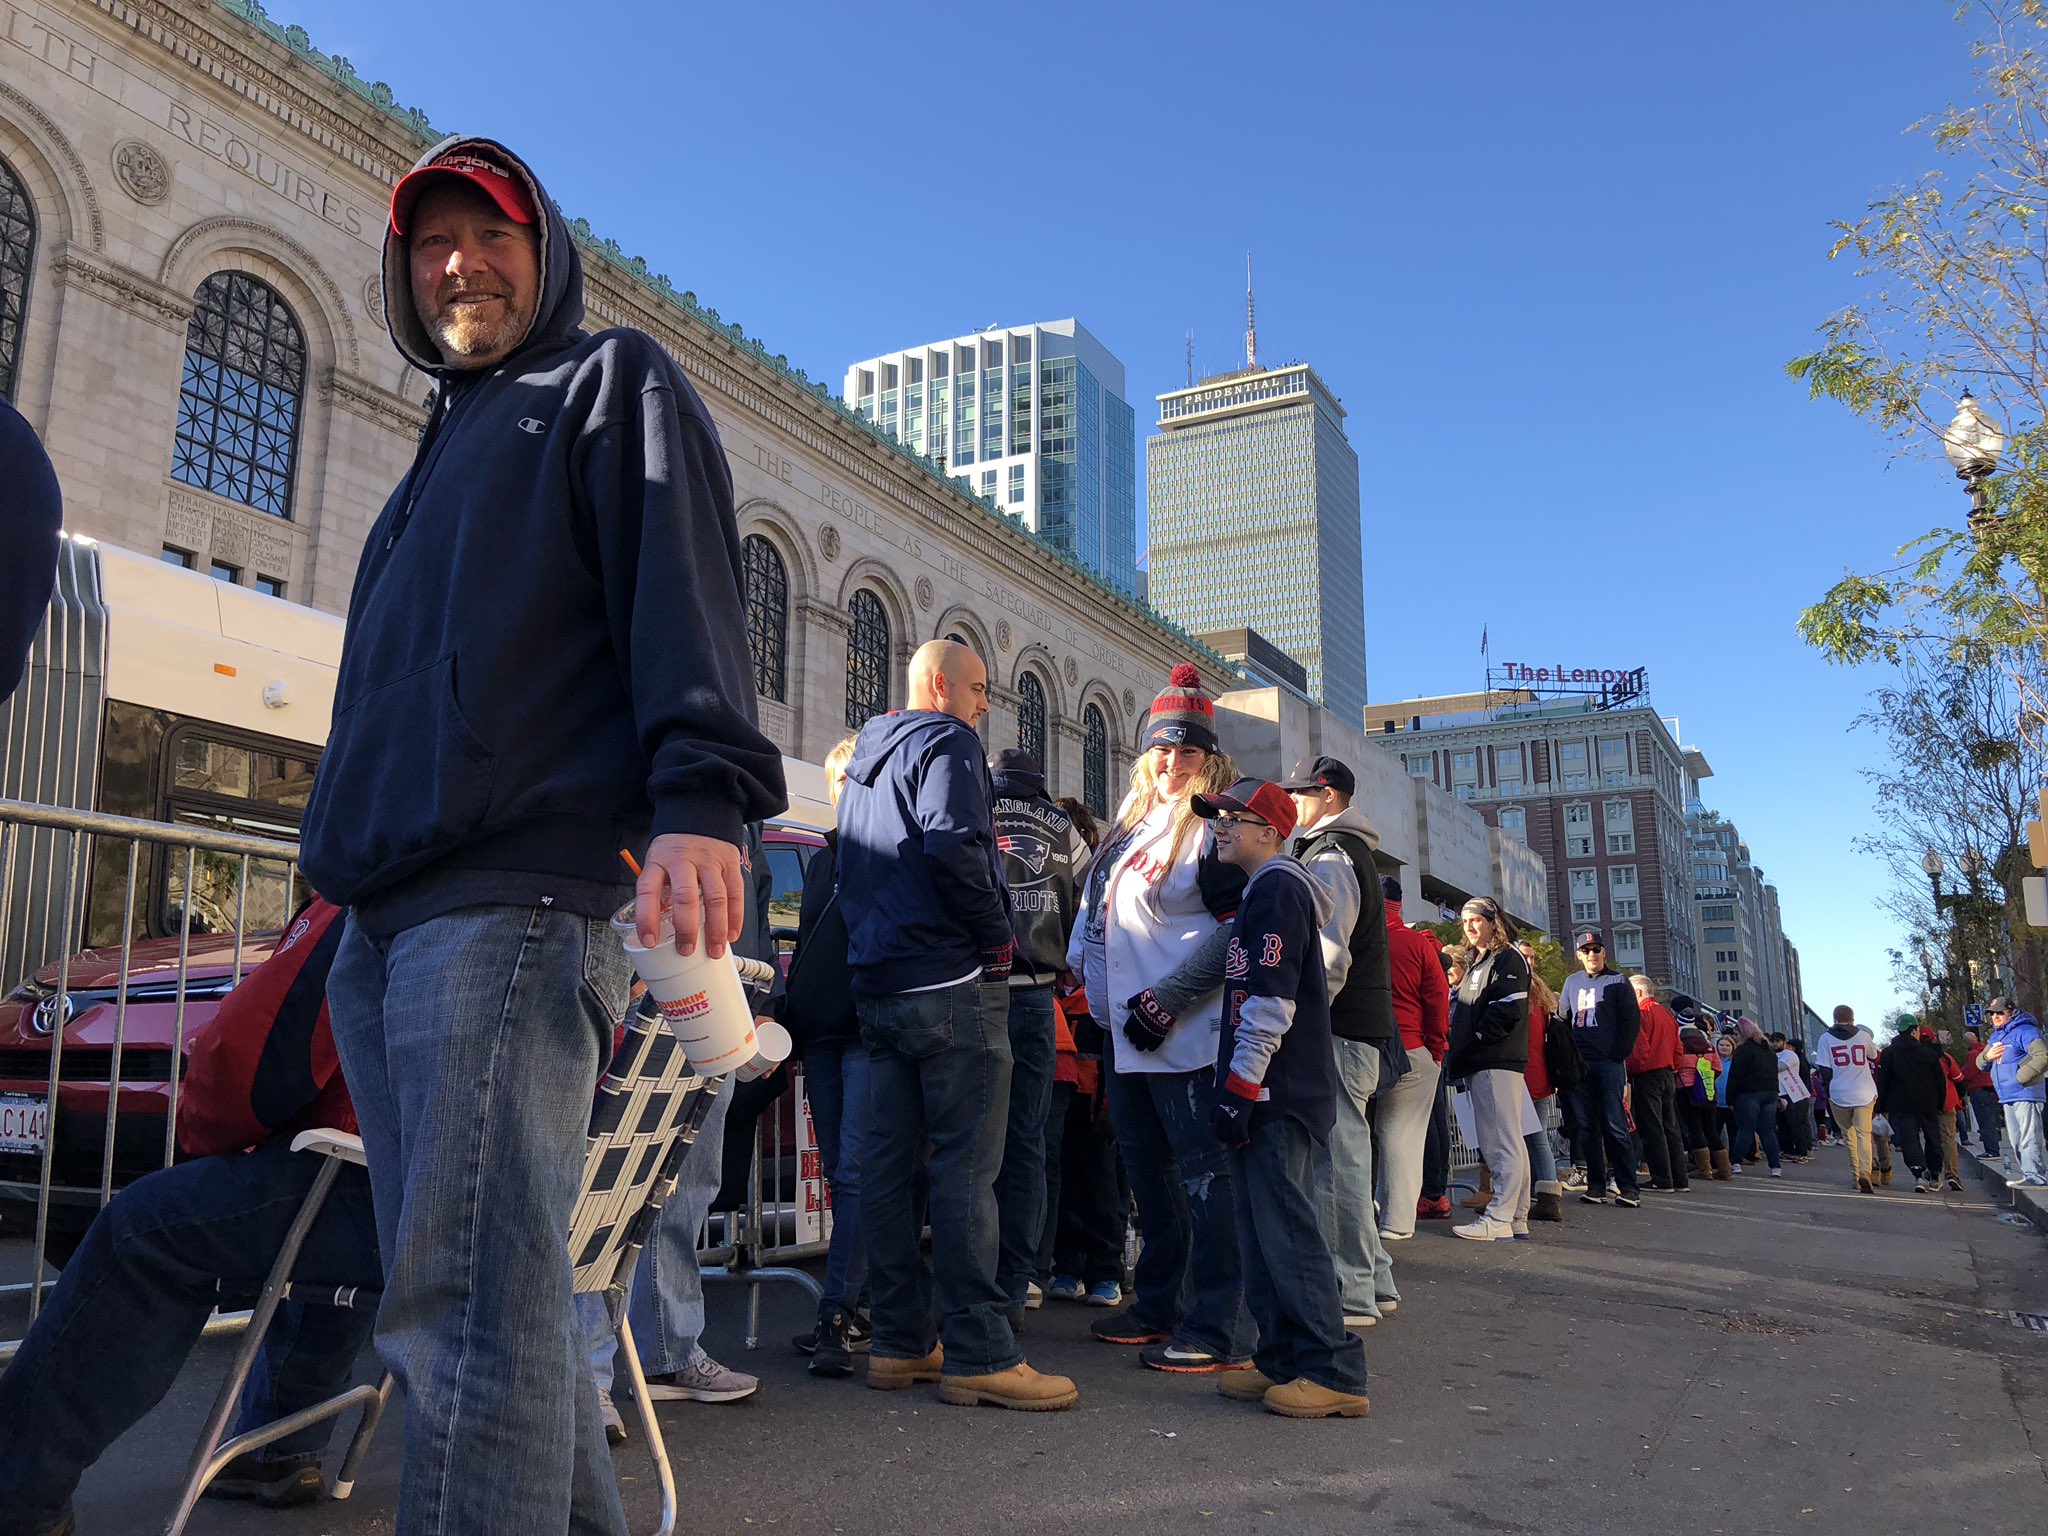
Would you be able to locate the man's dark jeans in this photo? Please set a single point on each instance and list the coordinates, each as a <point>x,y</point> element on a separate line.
<point>1657,1124</point>
<point>1918,1138</point>
<point>1756,1119</point>
<point>1436,1144</point>
<point>1603,1128</point>
<point>1085,1205</point>
<point>1290,1283</point>
<point>1020,1187</point>
<point>131,1303</point>
<point>1984,1105</point>
<point>1189,1281</point>
<point>939,1074</point>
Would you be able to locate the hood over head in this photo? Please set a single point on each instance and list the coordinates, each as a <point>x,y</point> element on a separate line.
<point>1019,783</point>
<point>557,313</point>
<point>882,736</point>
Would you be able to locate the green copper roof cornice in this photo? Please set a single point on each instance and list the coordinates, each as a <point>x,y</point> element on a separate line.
<point>380,95</point>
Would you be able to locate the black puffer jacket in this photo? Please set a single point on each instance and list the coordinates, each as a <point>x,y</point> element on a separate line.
<point>1752,1069</point>
<point>1490,1016</point>
<point>817,1001</point>
<point>1909,1078</point>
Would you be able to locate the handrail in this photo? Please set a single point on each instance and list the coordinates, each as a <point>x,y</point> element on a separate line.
<point>101,824</point>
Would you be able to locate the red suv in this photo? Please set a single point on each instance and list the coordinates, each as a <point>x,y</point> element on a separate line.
<point>30,1014</point>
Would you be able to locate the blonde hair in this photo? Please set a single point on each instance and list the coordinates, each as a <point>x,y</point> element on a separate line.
<point>1216,774</point>
<point>1540,993</point>
<point>835,768</point>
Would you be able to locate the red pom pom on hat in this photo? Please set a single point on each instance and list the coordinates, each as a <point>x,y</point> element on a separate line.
<point>1185,675</point>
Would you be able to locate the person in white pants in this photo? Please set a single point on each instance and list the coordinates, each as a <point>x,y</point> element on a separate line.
<point>1490,1048</point>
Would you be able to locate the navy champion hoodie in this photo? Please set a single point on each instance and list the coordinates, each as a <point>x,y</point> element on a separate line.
<point>546,658</point>
<point>919,878</point>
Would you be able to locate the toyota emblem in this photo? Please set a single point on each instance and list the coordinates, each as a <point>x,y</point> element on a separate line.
<point>51,1014</point>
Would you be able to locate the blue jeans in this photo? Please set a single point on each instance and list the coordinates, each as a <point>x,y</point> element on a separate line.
<point>1289,1282</point>
<point>131,1303</point>
<point>1020,1187</point>
<point>938,1076</point>
<point>1756,1115</point>
<point>1542,1157</point>
<point>1603,1128</point>
<point>666,1304</point>
<point>2023,1125</point>
<point>1984,1106</point>
<point>1436,1143</point>
<point>836,1079</point>
<point>1189,1281</point>
<point>1343,1187</point>
<point>472,1045</point>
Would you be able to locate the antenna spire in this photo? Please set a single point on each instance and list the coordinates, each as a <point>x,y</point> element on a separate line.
<point>1191,359</point>
<point>1251,330</point>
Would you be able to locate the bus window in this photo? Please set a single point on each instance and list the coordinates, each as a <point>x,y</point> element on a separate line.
<point>228,782</point>
<point>786,883</point>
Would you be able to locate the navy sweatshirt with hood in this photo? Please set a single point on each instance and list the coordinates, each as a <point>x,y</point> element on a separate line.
<point>919,879</point>
<point>546,658</point>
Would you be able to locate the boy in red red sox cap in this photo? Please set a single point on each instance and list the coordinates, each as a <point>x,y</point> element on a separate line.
<point>1276,1102</point>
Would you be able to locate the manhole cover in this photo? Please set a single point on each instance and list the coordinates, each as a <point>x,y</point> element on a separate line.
<point>2033,1322</point>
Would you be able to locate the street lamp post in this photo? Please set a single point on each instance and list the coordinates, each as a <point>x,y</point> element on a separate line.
<point>1973,442</point>
<point>1973,868</point>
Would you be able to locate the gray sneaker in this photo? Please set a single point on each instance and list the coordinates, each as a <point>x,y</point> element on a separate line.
<point>614,1425</point>
<point>704,1380</point>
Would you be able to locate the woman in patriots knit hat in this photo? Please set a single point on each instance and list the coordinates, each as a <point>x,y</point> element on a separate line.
<point>1155,897</point>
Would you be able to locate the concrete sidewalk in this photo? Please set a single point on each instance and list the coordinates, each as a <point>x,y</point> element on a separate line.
<point>1758,1356</point>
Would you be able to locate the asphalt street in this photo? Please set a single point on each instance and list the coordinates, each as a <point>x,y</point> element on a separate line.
<point>1756,1357</point>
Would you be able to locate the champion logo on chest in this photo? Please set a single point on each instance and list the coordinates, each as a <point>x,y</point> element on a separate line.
<point>532,425</point>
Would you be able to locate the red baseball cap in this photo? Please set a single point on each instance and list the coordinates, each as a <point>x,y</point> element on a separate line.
<point>1251,797</point>
<point>499,182</point>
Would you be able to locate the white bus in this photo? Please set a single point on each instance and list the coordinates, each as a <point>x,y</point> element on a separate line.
<point>161,693</point>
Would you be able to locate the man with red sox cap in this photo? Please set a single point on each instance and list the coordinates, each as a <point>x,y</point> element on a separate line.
<point>546,661</point>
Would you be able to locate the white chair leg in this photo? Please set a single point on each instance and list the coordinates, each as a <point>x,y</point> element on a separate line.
<point>629,1356</point>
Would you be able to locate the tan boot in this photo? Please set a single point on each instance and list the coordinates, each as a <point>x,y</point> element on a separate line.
<point>1249,1386</point>
<point>1481,1197</point>
<point>1019,1387</point>
<point>1702,1164</point>
<point>1723,1169</point>
<point>889,1375</point>
<point>1303,1399</point>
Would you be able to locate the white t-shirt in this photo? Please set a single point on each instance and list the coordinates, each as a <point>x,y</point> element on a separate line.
<point>1854,1084</point>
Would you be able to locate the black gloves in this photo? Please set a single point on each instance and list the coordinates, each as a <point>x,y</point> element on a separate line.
<point>1231,1120</point>
<point>1148,1023</point>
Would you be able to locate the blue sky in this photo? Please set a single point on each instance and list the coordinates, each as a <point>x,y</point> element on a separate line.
<point>1552,258</point>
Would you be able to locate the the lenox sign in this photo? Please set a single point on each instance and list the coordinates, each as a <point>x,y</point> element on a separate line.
<point>1630,679</point>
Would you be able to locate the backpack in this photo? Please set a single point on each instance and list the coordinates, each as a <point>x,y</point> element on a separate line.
<point>1561,1054</point>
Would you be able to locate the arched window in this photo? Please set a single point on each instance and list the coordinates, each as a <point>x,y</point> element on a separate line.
<point>1031,718</point>
<point>1095,762</point>
<point>17,255</point>
<point>238,406</point>
<point>767,616</point>
<point>867,660</point>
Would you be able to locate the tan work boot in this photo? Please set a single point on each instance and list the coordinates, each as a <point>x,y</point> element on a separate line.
<point>1303,1399</point>
<point>1481,1197</point>
<point>1019,1387</point>
<point>1246,1386</point>
<point>891,1375</point>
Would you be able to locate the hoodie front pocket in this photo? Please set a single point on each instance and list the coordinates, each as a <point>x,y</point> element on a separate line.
<point>404,779</point>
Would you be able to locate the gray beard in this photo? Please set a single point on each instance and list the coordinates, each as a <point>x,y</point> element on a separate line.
<point>462,336</point>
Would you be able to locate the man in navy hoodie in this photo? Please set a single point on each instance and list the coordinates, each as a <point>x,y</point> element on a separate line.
<point>546,662</point>
<point>929,945</point>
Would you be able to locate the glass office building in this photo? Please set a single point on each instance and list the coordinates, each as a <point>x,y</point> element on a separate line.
<point>1031,417</point>
<point>1252,515</point>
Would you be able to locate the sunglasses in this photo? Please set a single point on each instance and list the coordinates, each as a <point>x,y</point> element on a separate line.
<point>1592,949</point>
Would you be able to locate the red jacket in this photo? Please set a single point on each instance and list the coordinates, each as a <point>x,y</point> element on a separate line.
<point>264,1064</point>
<point>1422,1003</point>
<point>1657,1041</point>
<point>1537,1073</point>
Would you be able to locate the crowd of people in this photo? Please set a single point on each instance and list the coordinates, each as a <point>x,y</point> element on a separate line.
<point>1023,1031</point>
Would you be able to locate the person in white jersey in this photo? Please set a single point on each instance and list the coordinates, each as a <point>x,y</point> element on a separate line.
<point>1849,1052</point>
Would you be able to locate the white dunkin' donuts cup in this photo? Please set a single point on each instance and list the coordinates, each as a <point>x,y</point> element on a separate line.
<point>773,1051</point>
<point>701,1001</point>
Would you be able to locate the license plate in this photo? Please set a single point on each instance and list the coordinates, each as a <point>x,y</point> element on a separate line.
<point>24,1122</point>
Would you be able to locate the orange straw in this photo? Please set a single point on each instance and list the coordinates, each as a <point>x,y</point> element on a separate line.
<point>631,863</point>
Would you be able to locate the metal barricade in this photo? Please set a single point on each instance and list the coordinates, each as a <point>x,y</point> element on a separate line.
<point>761,1242</point>
<point>91,1058</point>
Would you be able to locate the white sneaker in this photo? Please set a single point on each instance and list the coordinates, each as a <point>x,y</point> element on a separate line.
<point>1034,1297</point>
<point>1360,1320</point>
<point>614,1425</point>
<point>1389,1308</point>
<point>1485,1231</point>
<point>1395,1237</point>
<point>704,1380</point>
